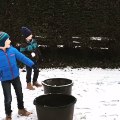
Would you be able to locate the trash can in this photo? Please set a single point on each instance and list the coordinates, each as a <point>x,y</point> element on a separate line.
<point>57,85</point>
<point>55,106</point>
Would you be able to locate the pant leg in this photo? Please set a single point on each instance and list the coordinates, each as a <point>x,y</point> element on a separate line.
<point>6,85</point>
<point>18,90</point>
<point>35,75</point>
<point>28,74</point>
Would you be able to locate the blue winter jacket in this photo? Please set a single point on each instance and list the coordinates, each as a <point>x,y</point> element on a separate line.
<point>8,64</point>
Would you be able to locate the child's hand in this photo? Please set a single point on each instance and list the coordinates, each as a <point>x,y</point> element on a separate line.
<point>18,44</point>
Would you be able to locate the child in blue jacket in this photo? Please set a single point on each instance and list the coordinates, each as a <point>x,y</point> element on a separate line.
<point>31,50</point>
<point>9,74</point>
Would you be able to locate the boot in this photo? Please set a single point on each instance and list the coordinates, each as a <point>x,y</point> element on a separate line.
<point>23,112</point>
<point>30,87</point>
<point>8,117</point>
<point>37,84</point>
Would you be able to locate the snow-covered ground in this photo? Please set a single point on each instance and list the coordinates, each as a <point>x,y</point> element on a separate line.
<point>97,92</point>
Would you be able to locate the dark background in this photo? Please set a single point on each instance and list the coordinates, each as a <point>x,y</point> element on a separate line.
<point>58,22</point>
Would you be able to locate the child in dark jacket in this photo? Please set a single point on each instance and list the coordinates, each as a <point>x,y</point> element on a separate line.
<point>9,74</point>
<point>31,50</point>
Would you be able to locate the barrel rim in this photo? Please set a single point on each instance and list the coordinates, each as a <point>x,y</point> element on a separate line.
<point>44,84</point>
<point>46,106</point>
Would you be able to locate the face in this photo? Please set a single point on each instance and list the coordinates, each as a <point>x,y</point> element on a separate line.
<point>7,43</point>
<point>29,38</point>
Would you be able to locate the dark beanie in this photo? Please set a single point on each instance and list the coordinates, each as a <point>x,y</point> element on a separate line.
<point>26,32</point>
<point>3,37</point>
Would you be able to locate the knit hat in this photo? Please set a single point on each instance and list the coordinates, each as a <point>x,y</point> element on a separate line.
<point>3,37</point>
<point>26,32</point>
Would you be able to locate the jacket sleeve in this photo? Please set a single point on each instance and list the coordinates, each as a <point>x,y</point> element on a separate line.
<point>21,57</point>
<point>32,46</point>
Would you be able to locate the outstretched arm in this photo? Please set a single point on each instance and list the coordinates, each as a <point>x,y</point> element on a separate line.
<point>21,57</point>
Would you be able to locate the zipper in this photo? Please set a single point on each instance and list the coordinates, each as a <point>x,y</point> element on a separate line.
<point>9,65</point>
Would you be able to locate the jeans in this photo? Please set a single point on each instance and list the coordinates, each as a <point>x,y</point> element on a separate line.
<point>29,73</point>
<point>6,85</point>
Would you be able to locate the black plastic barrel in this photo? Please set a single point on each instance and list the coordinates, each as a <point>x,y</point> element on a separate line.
<point>55,106</point>
<point>57,85</point>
